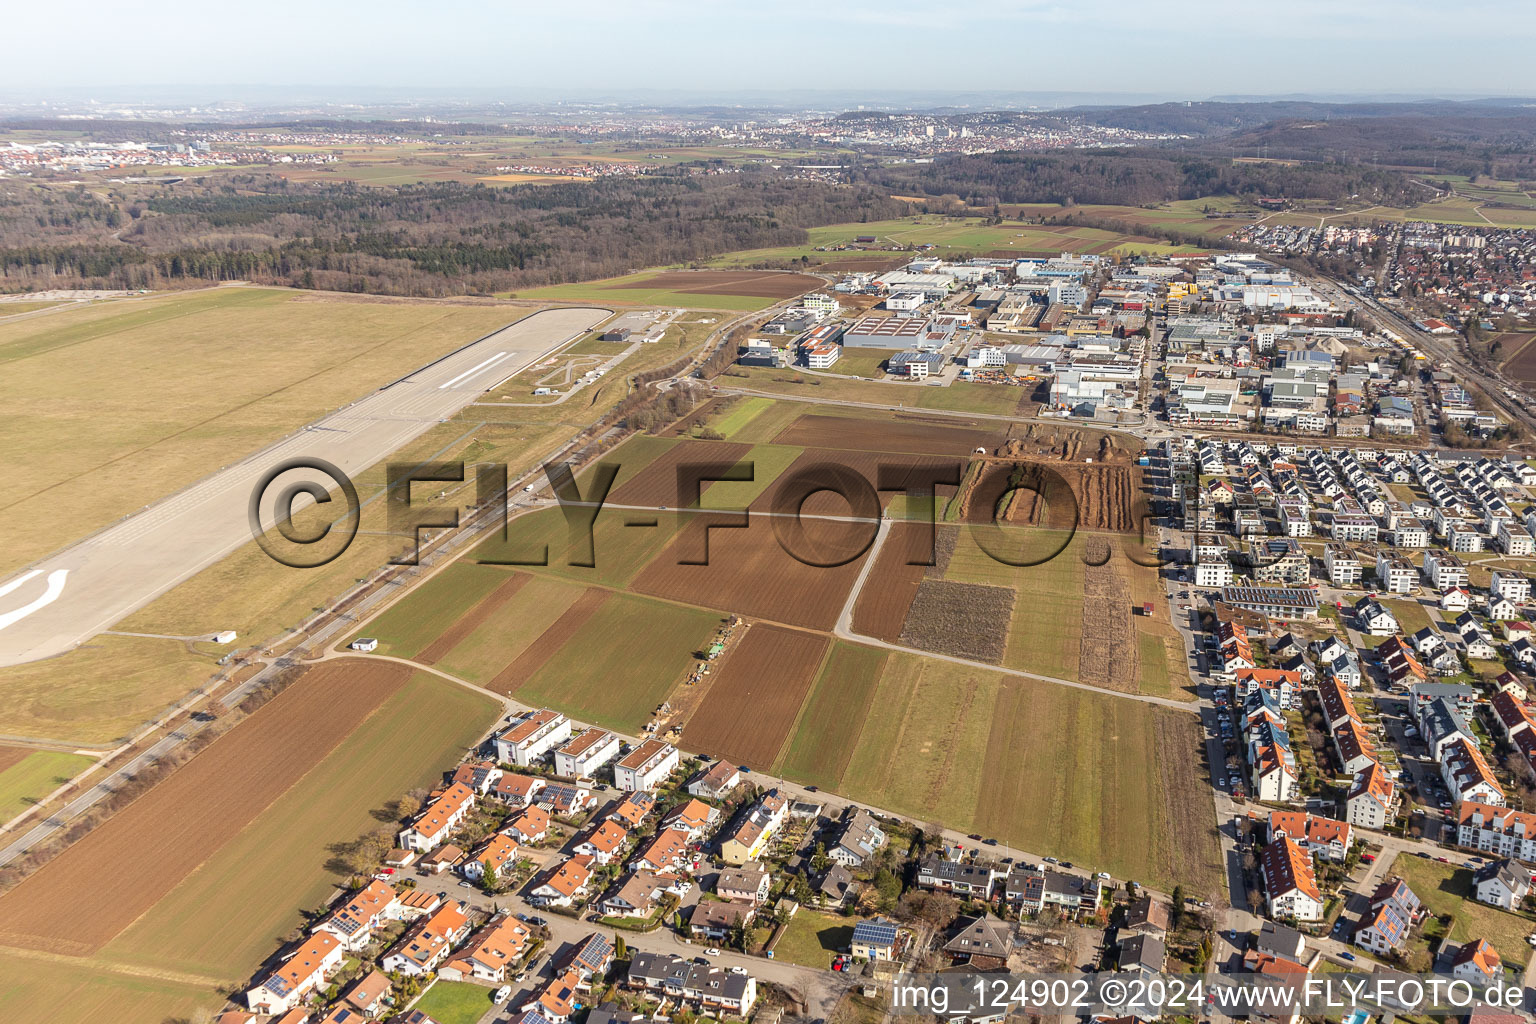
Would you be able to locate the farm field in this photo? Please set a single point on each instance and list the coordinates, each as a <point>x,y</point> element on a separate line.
<point>742,291</point>
<point>417,733</point>
<point>950,235</point>
<point>496,642</point>
<point>1066,772</point>
<point>37,990</point>
<point>1520,356</point>
<point>26,779</point>
<point>875,432</point>
<point>821,743</point>
<point>541,542</point>
<point>959,397</point>
<point>755,695</point>
<point>162,836</point>
<point>749,572</point>
<point>152,406</point>
<point>1447,889</point>
<point>407,628</point>
<point>617,663</point>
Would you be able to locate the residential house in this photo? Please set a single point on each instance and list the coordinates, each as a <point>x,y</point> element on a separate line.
<point>1372,798</point>
<point>1477,962</point>
<point>633,809</point>
<point>1142,953</point>
<point>1467,775</point>
<point>496,858</point>
<point>1503,884</point>
<point>354,922</point>
<point>1289,882</point>
<point>667,851</point>
<point>711,989</point>
<point>517,791</point>
<point>582,756</point>
<point>372,996</point>
<point>310,966</point>
<point>858,840</point>
<point>529,827</point>
<point>532,736</point>
<point>1499,831</point>
<point>751,835</point>
<point>693,818</point>
<point>714,782</point>
<point>981,944</point>
<point>964,878</point>
<point>1148,916</point>
<point>422,948</point>
<point>749,883</point>
<point>874,939</point>
<point>646,766</point>
<point>1319,836</point>
<point>1391,915</point>
<point>566,886</point>
<point>603,843</point>
<point>435,824</point>
<point>489,952</point>
<point>715,920</point>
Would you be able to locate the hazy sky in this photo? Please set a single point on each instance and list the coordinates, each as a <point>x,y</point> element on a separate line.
<point>1194,48</point>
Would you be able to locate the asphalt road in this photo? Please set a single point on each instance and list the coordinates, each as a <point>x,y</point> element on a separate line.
<point>72,595</point>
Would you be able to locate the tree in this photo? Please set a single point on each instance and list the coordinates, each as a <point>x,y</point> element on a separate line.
<point>488,881</point>
<point>1255,900</point>
<point>889,888</point>
<point>819,859</point>
<point>620,947</point>
<point>1176,912</point>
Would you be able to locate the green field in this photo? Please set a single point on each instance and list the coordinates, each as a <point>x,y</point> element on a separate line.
<point>741,413</point>
<point>410,625</point>
<point>455,1002</point>
<point>498,641</point>
<point>1048,769</point>
<point>41,989</point>
<point>961,396</point>
<point>813,939</point>
<point>822,744</point>
<point>622,662</point>
<point>231,913</point>
<point>34,777</point>
<point>618,552</point>
<point>1447,889</point>
<point>629,290</point>
<point>949,235</point>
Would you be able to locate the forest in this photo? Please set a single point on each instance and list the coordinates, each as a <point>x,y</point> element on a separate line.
<point>418,240</point>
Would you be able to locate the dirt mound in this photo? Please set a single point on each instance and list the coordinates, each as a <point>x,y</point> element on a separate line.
<point>1105,495</point>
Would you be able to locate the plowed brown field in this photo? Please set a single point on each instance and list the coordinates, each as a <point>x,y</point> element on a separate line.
<point>656,484</point>
<point>473,619</point>
<point>549,642</point>
<point>750,573</point>
<point>100,885</point>
<point>756,695</point>
<point>892,584</point>
<point>11,755</point>
<point>770,285</point>
<point>933,436</point>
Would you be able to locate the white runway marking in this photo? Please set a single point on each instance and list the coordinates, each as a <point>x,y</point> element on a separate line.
<point>498,357</point>
<point>55,588</point>
<point>16,583</point>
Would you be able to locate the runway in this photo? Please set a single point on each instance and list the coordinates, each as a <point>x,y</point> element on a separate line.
<point>70,596</point>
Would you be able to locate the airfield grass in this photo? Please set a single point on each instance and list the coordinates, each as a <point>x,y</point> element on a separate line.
<point>165,389</point>
<point>621,662</point>
<point>277,866</point>
<point>455,1002</point>
<point>12,308</point>
<point>100,692</point>
<point>623,290</point>
<point>34,777</point>
<point>1447,889</point>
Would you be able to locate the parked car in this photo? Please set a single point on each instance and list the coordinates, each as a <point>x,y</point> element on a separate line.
<point>711,951</point>
<point>1347,955</point>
